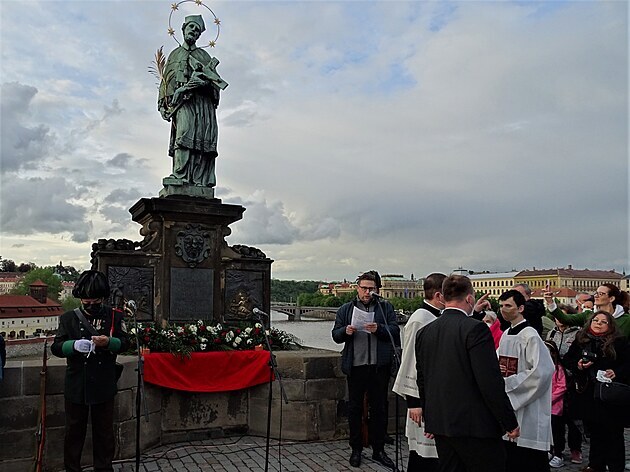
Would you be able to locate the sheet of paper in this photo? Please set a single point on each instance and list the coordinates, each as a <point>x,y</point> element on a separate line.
<point>360,318</point>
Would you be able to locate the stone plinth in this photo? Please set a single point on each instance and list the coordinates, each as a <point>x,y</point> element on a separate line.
<point>183,270</point>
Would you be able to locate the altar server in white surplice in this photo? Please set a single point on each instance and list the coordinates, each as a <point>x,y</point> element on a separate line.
<point>528,368</point>
<point>422,451</point>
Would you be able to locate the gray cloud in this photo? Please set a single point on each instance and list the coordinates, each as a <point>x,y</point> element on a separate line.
<point>37,205</point>
<point>406,136</point>
<point>122,196</point>
<point>122,160</point>
<point>22,144</point>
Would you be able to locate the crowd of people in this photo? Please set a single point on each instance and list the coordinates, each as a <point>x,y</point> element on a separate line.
<point>486,391</point>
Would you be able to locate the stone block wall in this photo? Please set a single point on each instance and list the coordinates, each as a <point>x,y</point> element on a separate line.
<point>312,379</point>
<point>315,389</point>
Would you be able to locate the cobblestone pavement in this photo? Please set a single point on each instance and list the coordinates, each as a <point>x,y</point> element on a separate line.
<point>247,453</point>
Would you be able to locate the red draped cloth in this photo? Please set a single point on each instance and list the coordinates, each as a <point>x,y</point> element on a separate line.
<point>208,371</point>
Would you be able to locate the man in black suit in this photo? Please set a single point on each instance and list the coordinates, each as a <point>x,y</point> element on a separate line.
<point>462,393</point>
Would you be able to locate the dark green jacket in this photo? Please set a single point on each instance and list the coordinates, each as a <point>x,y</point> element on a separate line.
<point>90,379</point>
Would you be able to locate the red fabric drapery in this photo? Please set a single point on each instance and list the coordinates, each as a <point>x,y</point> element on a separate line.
<point>208,371</point>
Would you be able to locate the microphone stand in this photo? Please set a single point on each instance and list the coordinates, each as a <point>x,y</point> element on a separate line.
<point>273,372</point>
<point>397,445</point>
<point>130,307</point>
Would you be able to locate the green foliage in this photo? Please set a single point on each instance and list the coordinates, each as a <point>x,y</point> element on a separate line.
<point>408,305</point>
<point>46,275</point>
<point>70,303</point>
<point>67,273</point>
<point>7,265</point>
<point>317,299</point>
<point>287,291</point>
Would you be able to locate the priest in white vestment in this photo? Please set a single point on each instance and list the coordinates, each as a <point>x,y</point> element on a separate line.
<point>527,366</point>
<point>422,451</point>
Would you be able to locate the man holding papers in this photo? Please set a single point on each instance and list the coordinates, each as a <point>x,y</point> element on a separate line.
<point>368,328</point>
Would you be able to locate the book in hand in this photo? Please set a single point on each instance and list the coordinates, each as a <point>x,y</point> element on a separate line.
<point>510,363</point>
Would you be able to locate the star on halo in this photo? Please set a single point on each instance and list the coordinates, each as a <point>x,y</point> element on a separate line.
<point>171,31</point>
<point>198,2</point>
<point>212,44</point>
<point>174,6</point>
<point>217,21</point>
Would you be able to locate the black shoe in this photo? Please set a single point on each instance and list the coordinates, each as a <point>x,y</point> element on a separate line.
<point>380,456</point>
<point>355,458</point>
<point>388,439</point>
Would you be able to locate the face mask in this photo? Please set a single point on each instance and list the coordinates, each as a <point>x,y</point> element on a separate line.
<point>92,308</point>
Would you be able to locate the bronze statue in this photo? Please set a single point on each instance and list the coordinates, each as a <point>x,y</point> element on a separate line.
<point>189,96</point>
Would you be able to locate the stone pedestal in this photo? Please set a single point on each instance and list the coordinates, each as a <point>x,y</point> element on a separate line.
<point>183,269</point>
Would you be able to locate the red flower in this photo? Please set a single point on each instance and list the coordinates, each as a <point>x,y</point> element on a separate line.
<point>202,328</point>
<point>257,331</point>
<point>147,339</point>
<point>238,331</point>
<point>147,330</point>
<point>217,341</point>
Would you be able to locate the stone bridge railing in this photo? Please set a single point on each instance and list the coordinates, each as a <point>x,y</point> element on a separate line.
<point>295,312</point>
<point>314,384</point>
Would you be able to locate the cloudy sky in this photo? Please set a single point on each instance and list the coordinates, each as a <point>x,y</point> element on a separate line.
<point>404,136</point>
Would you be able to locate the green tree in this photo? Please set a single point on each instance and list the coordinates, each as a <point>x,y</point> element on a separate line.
<point>7,265</point>
<point>287,291</point>
<point>46,275</point>
<point>26,266</point>
<point>70,303</point>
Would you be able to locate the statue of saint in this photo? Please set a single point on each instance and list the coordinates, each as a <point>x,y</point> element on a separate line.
<point>189,96</point>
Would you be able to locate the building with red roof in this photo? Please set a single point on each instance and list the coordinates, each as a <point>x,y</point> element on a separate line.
<point>28,315</point>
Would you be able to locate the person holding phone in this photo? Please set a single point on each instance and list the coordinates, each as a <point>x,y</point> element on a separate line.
<point>600,347</point>
<point>608,297</point>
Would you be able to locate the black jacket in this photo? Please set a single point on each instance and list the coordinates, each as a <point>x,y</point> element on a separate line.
<point>586,406</point>
<point>460,386</point>
<point>90,379</point>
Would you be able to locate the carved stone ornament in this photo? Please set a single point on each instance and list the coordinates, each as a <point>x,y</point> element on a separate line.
<point>193,245</point>
<point>241,306</point>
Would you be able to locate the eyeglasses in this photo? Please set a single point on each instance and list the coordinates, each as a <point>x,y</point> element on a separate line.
<point>600,294</point>
<point>599,321</point>
<point>366,289</point>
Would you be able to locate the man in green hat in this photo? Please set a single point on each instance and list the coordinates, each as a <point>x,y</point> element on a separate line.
<point>189,96</point>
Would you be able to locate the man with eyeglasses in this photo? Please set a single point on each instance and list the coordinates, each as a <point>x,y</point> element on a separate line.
<point>366,360</point>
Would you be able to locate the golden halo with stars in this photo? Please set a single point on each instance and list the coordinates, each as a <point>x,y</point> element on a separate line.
<point>199,3</point>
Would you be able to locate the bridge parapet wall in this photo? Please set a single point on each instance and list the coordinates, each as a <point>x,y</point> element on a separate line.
<point>314,383</point>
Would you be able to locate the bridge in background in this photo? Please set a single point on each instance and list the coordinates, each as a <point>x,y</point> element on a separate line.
<point>295,312</point>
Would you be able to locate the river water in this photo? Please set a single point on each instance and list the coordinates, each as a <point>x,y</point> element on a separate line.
<point>310,332</point>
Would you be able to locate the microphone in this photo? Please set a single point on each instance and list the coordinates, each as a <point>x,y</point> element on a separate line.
<point>376,295</point>
<point>258,312</point>
<point>131,306</point>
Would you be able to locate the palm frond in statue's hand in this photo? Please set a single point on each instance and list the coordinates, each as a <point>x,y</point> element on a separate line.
<point>158,65</point>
